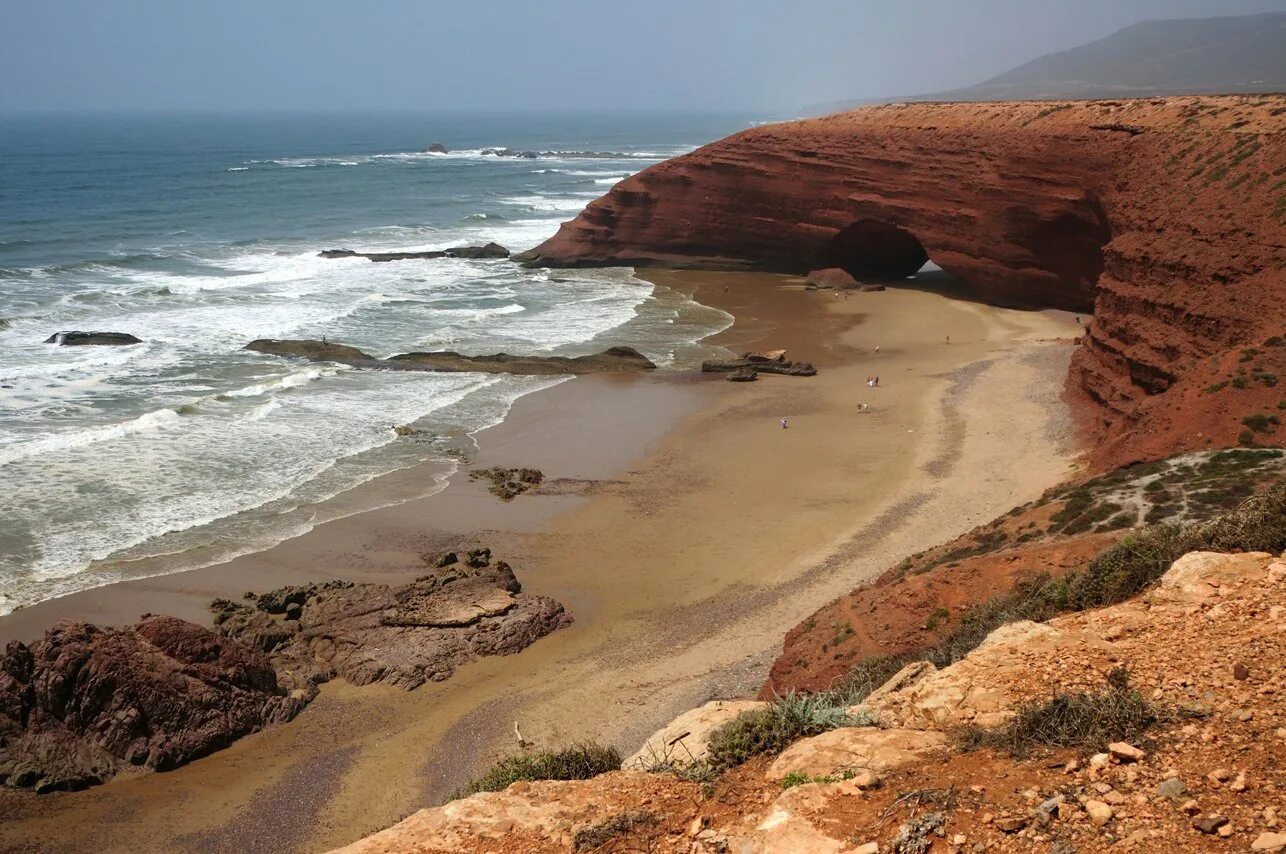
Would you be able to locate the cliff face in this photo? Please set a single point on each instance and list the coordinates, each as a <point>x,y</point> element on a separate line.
<point>1163,217</point>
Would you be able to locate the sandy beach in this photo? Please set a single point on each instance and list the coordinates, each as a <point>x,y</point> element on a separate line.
<point>684,529</point>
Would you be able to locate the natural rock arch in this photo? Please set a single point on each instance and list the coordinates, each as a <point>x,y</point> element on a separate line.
<point>874,249</point>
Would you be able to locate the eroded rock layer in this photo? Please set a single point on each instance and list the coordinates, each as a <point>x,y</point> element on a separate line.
<point>1164,217</point>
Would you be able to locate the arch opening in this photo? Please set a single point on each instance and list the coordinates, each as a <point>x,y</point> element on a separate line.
<point>873,249</point>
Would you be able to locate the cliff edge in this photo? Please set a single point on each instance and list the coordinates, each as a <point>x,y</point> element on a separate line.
<point>1163,217</point>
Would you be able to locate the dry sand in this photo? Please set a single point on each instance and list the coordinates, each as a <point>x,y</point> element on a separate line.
<point>685,530</point>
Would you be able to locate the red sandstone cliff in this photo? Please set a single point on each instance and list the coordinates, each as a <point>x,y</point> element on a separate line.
<point>1165,217</point>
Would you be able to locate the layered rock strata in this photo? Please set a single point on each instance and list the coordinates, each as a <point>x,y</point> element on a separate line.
<point>1163,217</point>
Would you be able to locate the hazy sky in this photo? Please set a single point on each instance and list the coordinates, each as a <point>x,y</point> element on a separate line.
<point>760,55</point>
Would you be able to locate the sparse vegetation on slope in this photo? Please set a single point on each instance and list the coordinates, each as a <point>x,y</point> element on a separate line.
<point>578,762</point>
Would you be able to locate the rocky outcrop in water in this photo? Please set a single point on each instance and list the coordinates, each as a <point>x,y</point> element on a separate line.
<point>1156,215</point>
<point>562,155</point>
<point>489,250</point>
<point>100,339</point>
<point>84,702</point>
<point>405,635</point>
<point>611,360</point>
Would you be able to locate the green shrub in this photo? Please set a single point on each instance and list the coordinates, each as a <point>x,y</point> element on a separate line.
<point>1260,423</point>
<point>775,728</point>
<point>578,762</point>
<point>1075,719</point>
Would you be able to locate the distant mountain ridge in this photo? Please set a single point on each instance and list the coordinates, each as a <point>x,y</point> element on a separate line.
<point>1182,56</point>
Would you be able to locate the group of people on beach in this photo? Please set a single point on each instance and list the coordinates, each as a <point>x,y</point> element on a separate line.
<point>872,382</point>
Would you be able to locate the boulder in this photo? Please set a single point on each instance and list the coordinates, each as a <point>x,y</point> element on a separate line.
<point>798,821</point>
<point>100,339</point>
<point>489,250</point>
<point>686,738</point>
<point>436,148</point>
<point>831,277</point>
<point>85,702</point>
<point>742,375</point>
<point>856,749</point>
<point>1197,576</point>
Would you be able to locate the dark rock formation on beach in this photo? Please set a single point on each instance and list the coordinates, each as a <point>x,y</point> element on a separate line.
<point>611,360</point>
<point>486,251</point>
<point>830,277</point>
<point>745,368</point>
<point>405,636</point>
<point>1167,231</point>
<point>84,702</point>
<point>436,148</point>
<point>102,339</point>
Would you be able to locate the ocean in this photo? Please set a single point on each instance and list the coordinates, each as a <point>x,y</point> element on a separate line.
<point>201,233</point>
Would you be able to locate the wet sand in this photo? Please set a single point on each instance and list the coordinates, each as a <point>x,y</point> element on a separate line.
<point>684,529</point>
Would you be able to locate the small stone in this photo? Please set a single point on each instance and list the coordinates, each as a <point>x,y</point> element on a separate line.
<point>959,839</point>
<point>1102,788</point>
<point>1239,784</point>
<point>1115,798</point>
<point>987,818</point>
<point>1125,752</point>
<point>1225,831</point>
<point>1071,767</point>
<point>868,848</point>
<point>1269,842</point>
<point>1100,760</point>
<point>1011,824</point>
<point>866,779</point>
<point>1191,807</point>
<point>1209,823</point>
<point>1171,788</point>
<point>1114,633</point>
<point>1051,804</point>
<point>1240,672</point>
<point>1219,775</point>
<point>1099,813</point>
<point>698,824</point>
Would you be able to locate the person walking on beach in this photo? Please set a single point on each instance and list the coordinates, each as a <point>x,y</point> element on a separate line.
<point>783,423</point>
<point>877,348</point>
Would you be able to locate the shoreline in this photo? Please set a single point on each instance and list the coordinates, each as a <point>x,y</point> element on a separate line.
<point>679,592</point>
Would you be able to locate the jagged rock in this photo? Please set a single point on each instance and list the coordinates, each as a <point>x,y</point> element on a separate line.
<point>854,749</point>
<point>1209,823</point>
<point>84,702</point>
<point>765,356</point>
<point>436,148</point>
<point>742,375</point>
<point>686,738</point>
<point>1171,788</point>
<point>489,250</point>
<point>763,366</point>
<point>405,636</point>
<point>81,339</point>
<point>445,559</point>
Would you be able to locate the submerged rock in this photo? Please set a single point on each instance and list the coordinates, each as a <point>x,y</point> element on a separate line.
<point>102,339</point>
